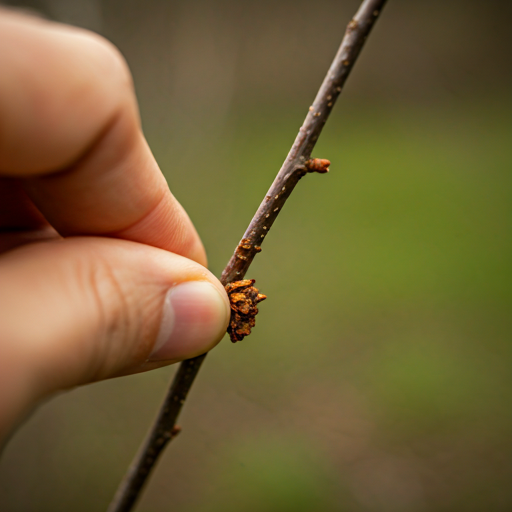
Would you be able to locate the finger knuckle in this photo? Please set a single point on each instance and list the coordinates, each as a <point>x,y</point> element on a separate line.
<point>117,323</point>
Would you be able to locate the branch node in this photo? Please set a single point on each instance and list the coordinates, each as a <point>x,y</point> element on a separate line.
<point>174,432</point>
<point>320,165</point>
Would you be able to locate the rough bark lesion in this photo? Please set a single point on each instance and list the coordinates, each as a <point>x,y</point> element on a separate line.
<point>243,297</point>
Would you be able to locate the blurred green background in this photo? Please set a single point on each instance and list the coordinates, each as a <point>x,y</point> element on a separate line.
<point>378,377</point>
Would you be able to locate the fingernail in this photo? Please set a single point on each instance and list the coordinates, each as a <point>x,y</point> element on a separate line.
<point>194,318</point>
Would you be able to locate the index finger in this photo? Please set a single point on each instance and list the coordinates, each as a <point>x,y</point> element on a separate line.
<point>70,129</point>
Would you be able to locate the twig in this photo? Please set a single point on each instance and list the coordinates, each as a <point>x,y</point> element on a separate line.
<point>296,165</point>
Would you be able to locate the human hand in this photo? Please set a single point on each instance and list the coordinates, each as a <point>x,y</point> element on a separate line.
<point>101,270</point>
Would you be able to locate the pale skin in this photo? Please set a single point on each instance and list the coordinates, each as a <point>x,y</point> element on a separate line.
<point>91,239</point>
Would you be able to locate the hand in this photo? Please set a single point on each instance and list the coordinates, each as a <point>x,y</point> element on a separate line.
<point>101,270</point>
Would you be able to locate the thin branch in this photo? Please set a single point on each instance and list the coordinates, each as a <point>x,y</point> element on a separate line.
<point>296,165</point>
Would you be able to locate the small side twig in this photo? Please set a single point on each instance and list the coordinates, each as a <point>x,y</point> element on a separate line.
<point>296,165</point>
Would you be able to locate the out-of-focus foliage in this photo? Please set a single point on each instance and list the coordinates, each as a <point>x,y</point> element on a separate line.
<point>378,375</point>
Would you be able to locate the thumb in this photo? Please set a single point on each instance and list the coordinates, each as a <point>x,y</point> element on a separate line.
<point>78,310</point>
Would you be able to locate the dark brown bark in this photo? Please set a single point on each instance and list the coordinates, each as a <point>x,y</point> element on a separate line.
<point>296,165</point>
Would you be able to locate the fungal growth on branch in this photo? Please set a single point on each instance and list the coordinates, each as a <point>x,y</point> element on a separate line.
<point>243,297</point>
